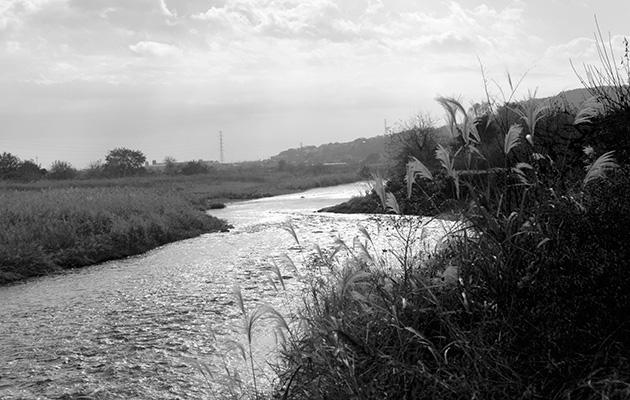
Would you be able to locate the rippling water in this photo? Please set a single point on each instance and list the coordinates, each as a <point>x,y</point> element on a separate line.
<point>130,329</point>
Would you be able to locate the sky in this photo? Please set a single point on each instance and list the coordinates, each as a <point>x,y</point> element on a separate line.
<point>79,78</point>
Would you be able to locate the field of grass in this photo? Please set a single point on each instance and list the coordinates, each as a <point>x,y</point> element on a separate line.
<point>48,230</point>
<point>223,183</point>
<point>47,226</point>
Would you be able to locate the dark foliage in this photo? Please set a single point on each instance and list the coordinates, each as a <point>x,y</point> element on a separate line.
<point>9,165</point>
<point>124,162</point>
<point>195,167</point>
<point>61,170</point>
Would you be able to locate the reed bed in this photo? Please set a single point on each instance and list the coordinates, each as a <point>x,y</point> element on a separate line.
<point>49,230</point>
<point>237,182</point>
<point>530,299</point>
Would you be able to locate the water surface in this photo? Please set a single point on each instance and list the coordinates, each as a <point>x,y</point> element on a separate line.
<point>131,329</point>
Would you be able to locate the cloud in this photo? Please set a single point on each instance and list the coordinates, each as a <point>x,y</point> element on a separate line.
<point>314,20</point>
<point>579,48</point>
<point>482,24</point>
<point>14,12</point>
<point>154,49</point>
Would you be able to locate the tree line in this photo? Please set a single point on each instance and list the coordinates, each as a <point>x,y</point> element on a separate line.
<point>119,162</point>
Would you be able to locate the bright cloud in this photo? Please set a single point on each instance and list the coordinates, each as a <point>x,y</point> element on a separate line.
<point>154,49</point>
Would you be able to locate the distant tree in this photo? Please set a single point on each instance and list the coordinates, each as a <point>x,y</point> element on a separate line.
<point>170,166</point>
<point>94,170</point>
<point>195,167</point>
<point>60,170</point>
<point>416,138</point>
<point>9,165</point>
<point>29,171</point>
<point>124,162</point>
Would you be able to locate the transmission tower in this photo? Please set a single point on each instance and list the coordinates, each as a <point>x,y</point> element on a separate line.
<point>221,147</point>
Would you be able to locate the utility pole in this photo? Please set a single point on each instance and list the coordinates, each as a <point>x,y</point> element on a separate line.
<point>221,147</point>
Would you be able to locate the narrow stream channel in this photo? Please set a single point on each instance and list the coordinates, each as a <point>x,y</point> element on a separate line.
<point>129,329</point>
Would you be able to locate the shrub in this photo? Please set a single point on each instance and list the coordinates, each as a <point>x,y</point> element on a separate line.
<point>28,171</point>
<point>9,165</point>
<point>61,170</point>
<point>195,167</point>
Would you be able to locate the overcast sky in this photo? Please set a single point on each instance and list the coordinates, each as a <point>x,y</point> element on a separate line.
<point>81,77</point>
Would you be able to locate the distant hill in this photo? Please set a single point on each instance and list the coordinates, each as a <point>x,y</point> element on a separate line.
<point>573,97</point>
<point>372,150</point>
<point>359,151</point>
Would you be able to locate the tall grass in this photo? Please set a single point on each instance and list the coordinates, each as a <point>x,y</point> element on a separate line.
<point>529,300</point>
<point>52,225</point>
<point>228,182</point>
<point>49,230</point>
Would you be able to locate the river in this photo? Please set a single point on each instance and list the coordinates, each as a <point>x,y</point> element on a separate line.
<point>135,328</point>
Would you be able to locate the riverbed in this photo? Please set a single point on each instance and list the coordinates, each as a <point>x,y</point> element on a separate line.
<point>148,327</point>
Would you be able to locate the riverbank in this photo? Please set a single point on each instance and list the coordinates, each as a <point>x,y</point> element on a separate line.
<point>47,231</point>
<point>49,226</point>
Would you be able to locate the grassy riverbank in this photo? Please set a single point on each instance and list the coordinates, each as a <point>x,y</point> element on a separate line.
<point>47,226</point>
<point>48,230</point>
<point>530,300</point>
<point>530,303</point>
<point>223,183</point>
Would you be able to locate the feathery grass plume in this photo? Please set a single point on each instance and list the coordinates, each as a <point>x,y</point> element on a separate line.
<point>531,111</point>
<point>200,366</point>
<point>392,203</point>
<point>339,245</point>
<point>467,128</point>
<point>276,270</point>
<point>589,109</point>
<point>273,284</point>
<point>379,188</point>
<point>289,262</point>
<point>323,259</point>
<point>288,226</point>
<point>239,298</point>
<point>444,156</point>
<point>599,167</point>
<point>512,139</point>
<point>519,170</point>
<point>250,322</point>
<point>350,279</point>
<point>414,167</point>
<point>523,165</point>
<point>275,315</point>
<point>418,167</point>
<point>447,162</point>
<point>364,253</point>
<point>451,115</point>
<point>388,200</point>
<point>365,234</point>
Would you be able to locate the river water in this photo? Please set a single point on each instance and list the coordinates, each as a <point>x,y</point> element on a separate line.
<point>147,326</point>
